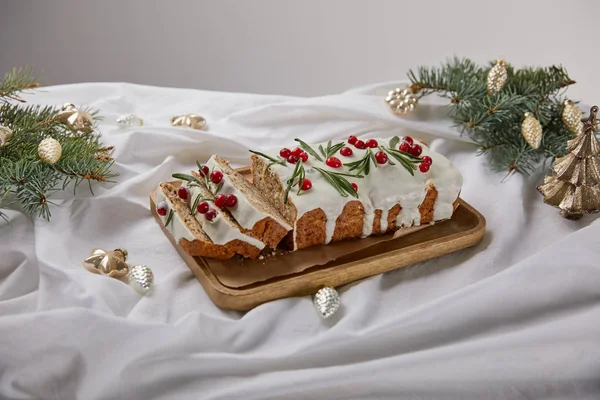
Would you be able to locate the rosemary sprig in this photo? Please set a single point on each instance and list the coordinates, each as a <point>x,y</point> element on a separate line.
<point>339,183</point>
<point>188,178</point>
<point>330,150</point>
<point>308,149</point>
<point>280,161</point>
<point>408,161</point>
<point>195,205</point>
<point>394,142</point>
<point>298,173</point>
<point>169,218</point>
<point>364,164</point>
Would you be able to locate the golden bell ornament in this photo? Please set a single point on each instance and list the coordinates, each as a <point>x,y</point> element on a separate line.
<point>401,101</point>
<point>531,129</point>
<point>571,117</point>
<point>109,263</point>
<point>5,134</point>
<point>189,120</point>
<point>49,151</point>
<point>497,77</point>
<point>75,120</point>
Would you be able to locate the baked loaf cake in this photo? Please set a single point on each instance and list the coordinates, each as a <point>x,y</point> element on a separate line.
<point>311,195</point>
<point>356,189</point>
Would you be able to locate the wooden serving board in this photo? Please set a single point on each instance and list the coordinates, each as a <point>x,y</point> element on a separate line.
<point>464,229</point>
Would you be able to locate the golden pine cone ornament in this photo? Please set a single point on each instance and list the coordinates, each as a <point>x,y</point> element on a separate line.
<point>401,101</point>
<point>497,77</point>
<point>571,117</point>
<point>5,135</point>
<point>49,151</point>
<point>531,129</point>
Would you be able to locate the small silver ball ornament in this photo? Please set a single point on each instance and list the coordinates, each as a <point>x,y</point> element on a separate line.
<point>326,301</point>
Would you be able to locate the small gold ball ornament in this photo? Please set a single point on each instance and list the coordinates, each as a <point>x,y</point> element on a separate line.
<point>401,101</point>
<point>49,151</point>
<point>497,77</point>
<point>5,134</point>
<point>531,129</point>
<point>189,120</point>
<point>571,117</point>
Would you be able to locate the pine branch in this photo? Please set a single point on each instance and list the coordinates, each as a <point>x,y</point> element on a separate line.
<point>22,174</point>
<point>493,121</point>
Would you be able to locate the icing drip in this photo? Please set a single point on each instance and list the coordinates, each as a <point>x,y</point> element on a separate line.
<point>177,227</point>
<point>381,190</point>
<point>219,230</point>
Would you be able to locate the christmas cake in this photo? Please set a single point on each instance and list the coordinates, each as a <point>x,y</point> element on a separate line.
<point>351,189</point>
<point>311,195</point>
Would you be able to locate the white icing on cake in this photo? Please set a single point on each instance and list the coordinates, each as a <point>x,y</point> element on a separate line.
<point>219,230</point>
<point>385,186</point>
<point>177,227</point>
<point>244,213</point>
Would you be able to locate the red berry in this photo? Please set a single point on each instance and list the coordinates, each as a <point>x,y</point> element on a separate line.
<point>405,147</point>
<point>210,214</point>
<point>203,207</point>
<point>381,157</point>
<point>424,167</point>
<point>408,140</point>
<point>292,159</point>
<point>333,162</point>
<point>352,139</point>
<point>360,144</point>
<point>304,157</point>
<point>285,152</point>
<point>216,176</point>
<point>220,200</point>
<point>306,184</point>
<point>183,193</point>
<point>426,160</point>
<point>297,152</point>
<point>231,200</point>
<point>372,143</point>
<point>355,186</point>
<point>203,171</point>
<point>162,211</point>
<point>346,151</point>
<point>415,150</point>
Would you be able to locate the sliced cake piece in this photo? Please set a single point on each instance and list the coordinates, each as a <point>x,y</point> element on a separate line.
<point>217,222</point>
<point>175,214</point>
<point>256,216</point>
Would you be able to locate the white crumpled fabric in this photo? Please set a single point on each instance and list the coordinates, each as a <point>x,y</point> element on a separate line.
<point>515,317</point>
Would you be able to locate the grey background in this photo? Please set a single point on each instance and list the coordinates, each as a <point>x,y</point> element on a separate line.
<point>307,47</point>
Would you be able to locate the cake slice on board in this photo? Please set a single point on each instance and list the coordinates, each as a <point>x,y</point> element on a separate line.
<point>253,212</point>
<point>179,221</point>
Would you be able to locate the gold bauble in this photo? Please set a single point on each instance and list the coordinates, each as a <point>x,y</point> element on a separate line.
<point>109,263</point>
<point>497,77</point>
<point>75,120</point>
<point>571,117</point>
<point>189,120</point>
<point>5,135</point>
<point>49,151</point>
<point>401,101</point>
<point>531,129</point>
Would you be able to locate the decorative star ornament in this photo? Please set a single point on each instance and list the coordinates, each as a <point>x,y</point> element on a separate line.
<point>109,263</point>
<point>189,120</point>
<point>75,120</point>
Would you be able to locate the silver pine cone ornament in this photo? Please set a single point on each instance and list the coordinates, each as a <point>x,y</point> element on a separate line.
<point>327,301</point>
<point>129,120</point>
<point>497,77</point>
<point>531,129</point>
<point>49,151</point>
<point>141,278</point>
<point>571,116</point>
<point>5,135</point>
<point>401,101</point>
